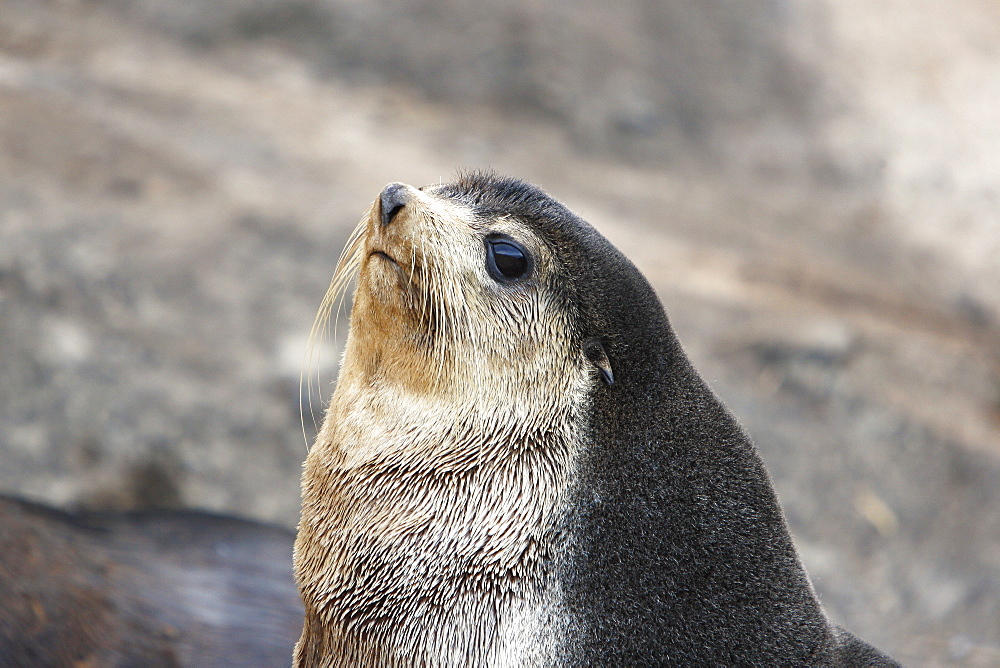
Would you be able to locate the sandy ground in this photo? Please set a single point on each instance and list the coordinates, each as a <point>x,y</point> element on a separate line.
<point>812,187</point>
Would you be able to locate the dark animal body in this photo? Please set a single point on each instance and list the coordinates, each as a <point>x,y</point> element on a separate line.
<point>681,552</point>
<point>665,544</point>
<point>152,588</point>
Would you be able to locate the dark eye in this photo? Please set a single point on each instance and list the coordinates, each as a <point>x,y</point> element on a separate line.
<point>506,259</point>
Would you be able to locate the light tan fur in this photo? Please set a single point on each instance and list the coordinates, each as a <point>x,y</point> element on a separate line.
<point>433,493</point>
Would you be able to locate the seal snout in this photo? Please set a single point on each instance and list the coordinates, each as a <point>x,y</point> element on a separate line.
<point>393,198</point>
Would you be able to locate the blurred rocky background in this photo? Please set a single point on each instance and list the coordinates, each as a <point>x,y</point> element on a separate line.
<point>812,186</point>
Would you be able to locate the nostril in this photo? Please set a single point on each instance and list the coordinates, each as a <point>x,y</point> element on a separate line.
<point>387,216</point>
<point>394,197</point>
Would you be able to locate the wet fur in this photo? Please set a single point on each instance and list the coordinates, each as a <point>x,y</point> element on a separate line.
<point>431,500</point>
<point>479,495</point>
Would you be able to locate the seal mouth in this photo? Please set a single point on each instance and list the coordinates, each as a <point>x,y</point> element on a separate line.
<point>397,268</point>
<point>384,256</point>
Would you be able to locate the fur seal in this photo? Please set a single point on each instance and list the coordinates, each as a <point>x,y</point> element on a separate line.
<point>519,465</point>
<point>144,588</point>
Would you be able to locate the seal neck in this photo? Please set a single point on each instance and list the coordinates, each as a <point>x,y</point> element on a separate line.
<point>681,547</point>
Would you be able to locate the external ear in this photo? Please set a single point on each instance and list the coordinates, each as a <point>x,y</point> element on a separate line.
<point>594,351</point>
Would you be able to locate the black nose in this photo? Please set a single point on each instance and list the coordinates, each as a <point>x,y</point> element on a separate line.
<point>394,198</point>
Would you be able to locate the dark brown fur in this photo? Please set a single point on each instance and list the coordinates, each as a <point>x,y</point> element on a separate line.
<point>143,589</point>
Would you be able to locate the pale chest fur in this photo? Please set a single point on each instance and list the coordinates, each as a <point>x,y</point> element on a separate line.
<point>428,535</point>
